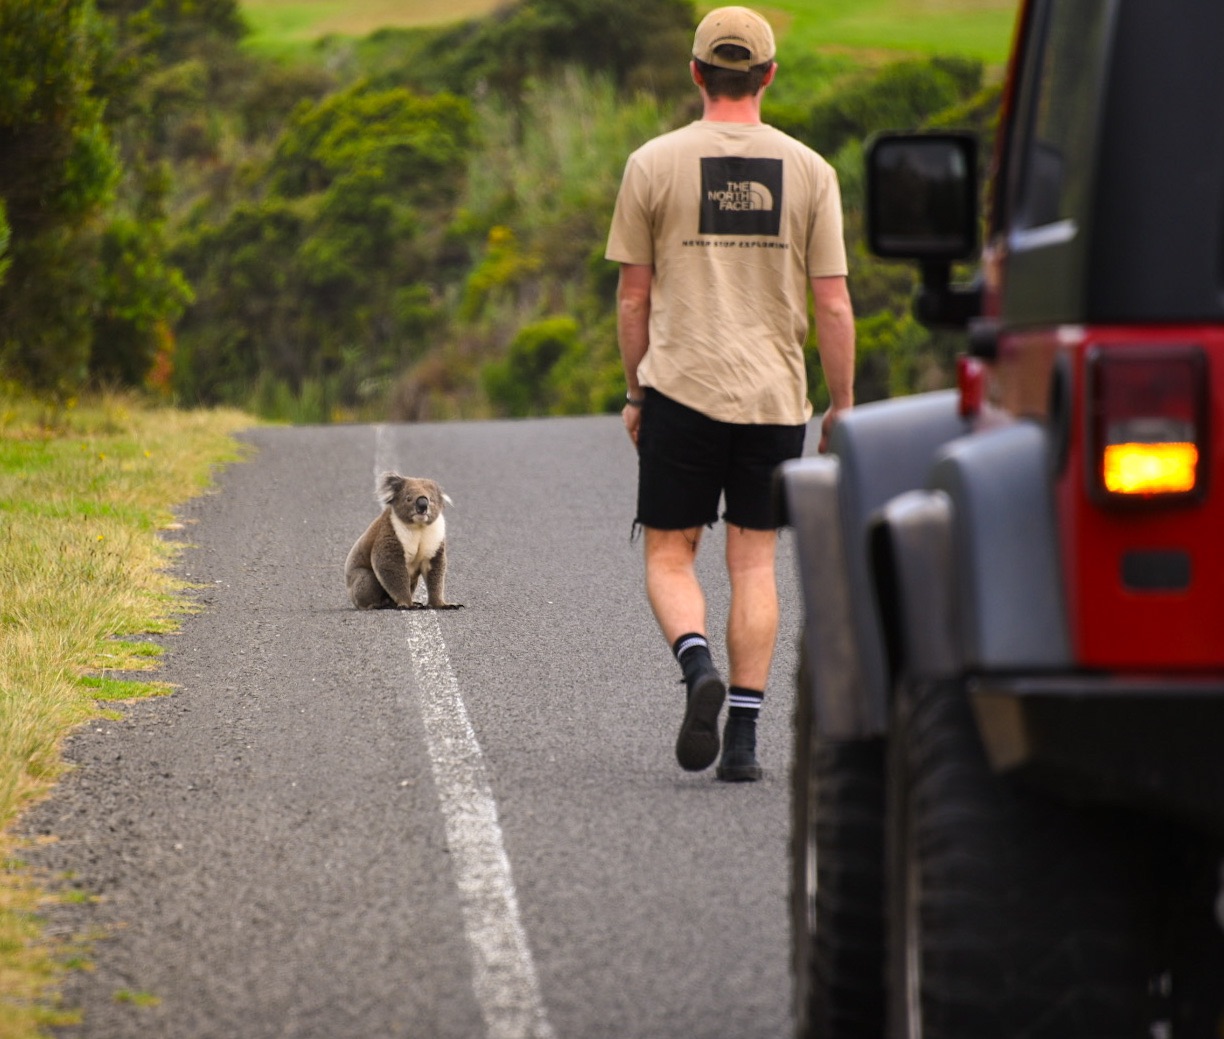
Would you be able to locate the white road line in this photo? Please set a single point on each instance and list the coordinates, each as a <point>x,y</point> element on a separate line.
<point>504,976</point>
<point>504,973</point>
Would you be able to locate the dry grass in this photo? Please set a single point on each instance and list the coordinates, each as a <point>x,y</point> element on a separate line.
<point>83,494</point>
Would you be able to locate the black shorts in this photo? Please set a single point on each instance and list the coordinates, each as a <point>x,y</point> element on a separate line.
<point>687,461</point>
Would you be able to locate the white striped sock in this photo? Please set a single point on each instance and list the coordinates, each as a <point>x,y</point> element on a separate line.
<point>689,643</point>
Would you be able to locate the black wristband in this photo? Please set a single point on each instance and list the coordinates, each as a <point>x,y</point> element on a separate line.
<point>634,402</point>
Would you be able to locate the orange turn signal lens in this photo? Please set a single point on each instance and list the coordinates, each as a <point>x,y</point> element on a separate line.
<point>1150,468</point>
<point>1147,409</point>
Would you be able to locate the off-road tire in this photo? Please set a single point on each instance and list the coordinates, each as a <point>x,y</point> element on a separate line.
<point>1010,915</point>
<point>837,881</point>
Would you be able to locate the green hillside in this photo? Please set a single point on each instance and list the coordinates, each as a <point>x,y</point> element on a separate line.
<point>286,26</point>
<point>977,28</point>
<point>407,217</point>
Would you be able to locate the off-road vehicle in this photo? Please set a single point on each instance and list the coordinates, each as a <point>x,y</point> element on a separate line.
<point>1009,768</point>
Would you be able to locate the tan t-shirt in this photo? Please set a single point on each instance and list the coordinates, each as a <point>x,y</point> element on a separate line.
<point>735,218</point>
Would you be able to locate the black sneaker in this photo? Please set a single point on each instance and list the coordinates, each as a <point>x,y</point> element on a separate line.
<point>739,762</point>
<point>697,744</point>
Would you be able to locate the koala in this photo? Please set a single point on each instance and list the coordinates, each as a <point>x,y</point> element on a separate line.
<point>405,543</point>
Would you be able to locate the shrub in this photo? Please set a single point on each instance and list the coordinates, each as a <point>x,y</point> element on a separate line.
<point>526,382</point>
<point>900,96</point>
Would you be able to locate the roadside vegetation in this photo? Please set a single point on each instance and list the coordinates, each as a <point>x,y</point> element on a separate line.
<point>318,225</point>
<point>84,492</point>
<point>980,28</point>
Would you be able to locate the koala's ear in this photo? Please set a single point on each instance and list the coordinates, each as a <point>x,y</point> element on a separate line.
<point>388,487</point>
<point>435,489</point>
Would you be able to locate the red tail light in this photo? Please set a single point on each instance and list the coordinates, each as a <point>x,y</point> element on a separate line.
<point>971,381</point>
<point>1147,423</point>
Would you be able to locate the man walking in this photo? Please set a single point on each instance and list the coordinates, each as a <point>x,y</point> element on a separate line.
<point>721,228</point>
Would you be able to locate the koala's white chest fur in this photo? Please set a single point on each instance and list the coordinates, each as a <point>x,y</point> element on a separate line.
<point>420,542</point>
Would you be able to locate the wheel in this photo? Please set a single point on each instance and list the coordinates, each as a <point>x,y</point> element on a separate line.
<point>1189,985</point>
<point>837,881</point>
<point>1010,915</point>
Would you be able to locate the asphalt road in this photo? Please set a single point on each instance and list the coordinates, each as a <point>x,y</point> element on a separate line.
<point>438,825</point>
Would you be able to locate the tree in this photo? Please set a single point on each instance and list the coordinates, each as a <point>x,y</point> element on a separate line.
<point>58,169</point>
<point>57,164</point>
<point>641,44</point>
<point>416,143</point>
<point>139,294</point>
<point>327,280</point>
<point>171,31</point>
<point>903,94</point>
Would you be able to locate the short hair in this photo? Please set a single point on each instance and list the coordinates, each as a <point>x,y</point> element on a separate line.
<point>732,83</point>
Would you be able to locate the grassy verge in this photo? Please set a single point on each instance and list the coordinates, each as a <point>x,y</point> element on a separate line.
<point>83,494</point>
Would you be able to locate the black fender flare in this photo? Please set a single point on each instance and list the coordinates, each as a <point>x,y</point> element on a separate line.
<point>967,574</point>
<point>913,564</point>
<point>1011,601</point>
<point>830,644</point>
<point>877,451</point>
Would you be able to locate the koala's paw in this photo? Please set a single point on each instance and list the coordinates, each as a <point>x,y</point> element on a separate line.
<point>446,606</point>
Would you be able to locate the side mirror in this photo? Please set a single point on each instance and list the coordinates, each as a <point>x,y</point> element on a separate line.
<point>922,204</point>
<point>922,196</point>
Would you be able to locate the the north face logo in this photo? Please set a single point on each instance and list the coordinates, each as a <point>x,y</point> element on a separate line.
<point>741,196</point>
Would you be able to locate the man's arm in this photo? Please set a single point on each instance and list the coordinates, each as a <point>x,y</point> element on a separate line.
<point>835,339</point>
<point>633,332</point>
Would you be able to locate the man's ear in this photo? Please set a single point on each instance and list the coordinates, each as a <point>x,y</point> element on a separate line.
<point>769,76</point>
<point>693,71</point>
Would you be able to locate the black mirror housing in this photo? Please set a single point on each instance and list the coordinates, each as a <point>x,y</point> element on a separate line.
<point>922,204</point>
<point>922,196</point>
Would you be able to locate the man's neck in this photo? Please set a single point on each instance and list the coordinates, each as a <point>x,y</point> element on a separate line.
<point>732,110</point>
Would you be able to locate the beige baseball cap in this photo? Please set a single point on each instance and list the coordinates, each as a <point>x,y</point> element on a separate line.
<point>737,25</point>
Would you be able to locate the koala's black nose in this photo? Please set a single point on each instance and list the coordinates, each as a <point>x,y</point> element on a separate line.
<point>422,504</point>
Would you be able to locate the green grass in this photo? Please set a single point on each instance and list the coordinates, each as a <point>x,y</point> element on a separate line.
<point>83,495</point>
<point>289,27</point>
<point>975,28</point>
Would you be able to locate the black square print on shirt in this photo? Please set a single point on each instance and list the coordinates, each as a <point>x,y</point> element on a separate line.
<point>741,196</point>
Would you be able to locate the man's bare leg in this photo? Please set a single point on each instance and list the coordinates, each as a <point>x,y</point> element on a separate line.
<point>752,623</point>
<point>679,606</point>
<point>671,581</point>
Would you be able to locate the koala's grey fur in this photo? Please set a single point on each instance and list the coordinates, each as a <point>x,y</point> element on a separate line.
<point>406,543</point>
